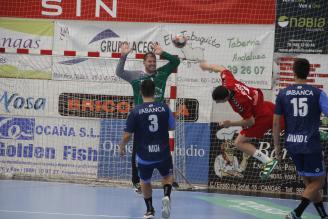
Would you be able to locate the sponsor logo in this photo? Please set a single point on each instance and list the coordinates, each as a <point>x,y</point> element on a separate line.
<point>73,61</point>
<point>303,4</point>
<point>118,107</point>
<point>311,23</point>
<point>64,33</point>
<point>15,101</point>
<point>27,128</point>
<point>3,60</point>
<point>26,151</point>
<point>108,33</point>
<point>54,8</point>
<point>17,128</point>
<point>10,42</point>
<point>109,42</point>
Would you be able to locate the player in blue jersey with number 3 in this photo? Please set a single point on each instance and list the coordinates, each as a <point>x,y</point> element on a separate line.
<point>150,123</point>
<point>301,105</point>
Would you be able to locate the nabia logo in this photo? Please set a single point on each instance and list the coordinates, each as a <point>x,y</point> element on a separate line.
<point>300,22</point>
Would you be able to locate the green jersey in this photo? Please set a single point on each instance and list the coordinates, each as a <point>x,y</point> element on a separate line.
<point>160,76</point>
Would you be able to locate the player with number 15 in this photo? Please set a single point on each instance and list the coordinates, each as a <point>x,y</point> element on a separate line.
<point>301,106</point>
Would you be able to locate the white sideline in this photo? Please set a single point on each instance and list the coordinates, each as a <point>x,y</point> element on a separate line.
<point>65,214</point>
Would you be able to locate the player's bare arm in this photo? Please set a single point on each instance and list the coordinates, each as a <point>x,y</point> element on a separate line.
<point>211,67</point>
<point>276,135</point>
<point>244,123</point>
<point>125,139</point>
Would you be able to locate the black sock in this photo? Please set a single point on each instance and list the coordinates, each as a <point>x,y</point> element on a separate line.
<point>167,190</point>
<point>300,209</point>
<point>149,203</point>
<point>321,209</point>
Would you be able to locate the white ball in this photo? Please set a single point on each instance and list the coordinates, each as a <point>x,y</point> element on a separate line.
<point>179,41</point>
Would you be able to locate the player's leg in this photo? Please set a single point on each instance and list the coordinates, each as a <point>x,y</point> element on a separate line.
<point>263,123</point>
<point>145,172</point>
<point>310,167</point>
<point>242,143</point>
<point>165,168</point>
<point>134,170</point>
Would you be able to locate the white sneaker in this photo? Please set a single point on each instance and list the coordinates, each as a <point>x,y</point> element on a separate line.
<point>166,207</point>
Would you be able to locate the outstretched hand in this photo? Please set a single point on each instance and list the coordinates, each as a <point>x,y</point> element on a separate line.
<point>157,48</point>
<point>125,48</point>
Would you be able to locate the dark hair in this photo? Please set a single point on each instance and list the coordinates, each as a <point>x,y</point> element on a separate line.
<point>147,88</point>
<point>149,54</point>
<point>301,68</point>
<point>220,93</point>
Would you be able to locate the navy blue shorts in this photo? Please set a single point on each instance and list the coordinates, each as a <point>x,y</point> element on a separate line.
<point>309,164</point>
<point>146,171</point>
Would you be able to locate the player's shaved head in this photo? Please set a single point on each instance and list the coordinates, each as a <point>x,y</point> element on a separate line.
<point>220,94</point>
<point>147,88</point>
<point>301,68</point>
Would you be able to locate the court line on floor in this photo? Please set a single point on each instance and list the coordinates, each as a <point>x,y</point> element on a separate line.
<point>65,214</point>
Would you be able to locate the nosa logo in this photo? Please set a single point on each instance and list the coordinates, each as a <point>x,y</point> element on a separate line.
<point>300,22</point>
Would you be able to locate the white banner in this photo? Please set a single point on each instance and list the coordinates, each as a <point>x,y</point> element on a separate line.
<point>26,34</point>
<point>49,146</point>
<point>283,72</point>
<point>41,97</point>
<point>245,49</point>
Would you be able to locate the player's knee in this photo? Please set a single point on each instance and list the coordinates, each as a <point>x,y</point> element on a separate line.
<point>238,143</point>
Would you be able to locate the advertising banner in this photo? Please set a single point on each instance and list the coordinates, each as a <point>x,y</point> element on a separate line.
<point>42,97</point>
<point>246,50</point>
<point>26,34</point>
<point>51,147</point>
<point>301,27</point>
<point>232,170</point>
<point>227,11</point>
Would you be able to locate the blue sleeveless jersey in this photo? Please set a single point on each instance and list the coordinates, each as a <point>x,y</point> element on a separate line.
<point>150,123</point>
<point>301,105</point>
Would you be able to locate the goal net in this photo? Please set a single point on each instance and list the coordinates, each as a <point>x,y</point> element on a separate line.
<point>63,108</point>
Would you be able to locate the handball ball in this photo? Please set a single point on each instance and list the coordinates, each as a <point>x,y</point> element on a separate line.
<point>179,41</point>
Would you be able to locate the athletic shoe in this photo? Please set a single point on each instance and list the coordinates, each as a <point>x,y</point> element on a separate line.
<point>175,185</point>
<point>166,207</point>
<point>137,188</point>
<point>292,215</point>
<point>149,214</point>
<point>268,168</point>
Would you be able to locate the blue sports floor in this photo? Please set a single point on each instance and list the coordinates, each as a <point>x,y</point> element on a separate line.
<point>44,200</point>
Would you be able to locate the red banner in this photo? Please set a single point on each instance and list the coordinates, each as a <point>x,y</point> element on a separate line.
<point>183,11</point>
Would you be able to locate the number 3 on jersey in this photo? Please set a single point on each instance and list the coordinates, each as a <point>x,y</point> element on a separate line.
<point>153,127</point>
<point>300,106</point>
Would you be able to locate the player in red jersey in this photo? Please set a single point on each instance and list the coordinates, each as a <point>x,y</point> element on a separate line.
<point>248,102</point>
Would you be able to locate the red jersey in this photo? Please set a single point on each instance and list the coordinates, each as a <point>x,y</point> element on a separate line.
<point>246,101</point>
